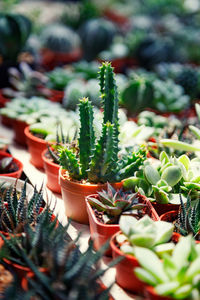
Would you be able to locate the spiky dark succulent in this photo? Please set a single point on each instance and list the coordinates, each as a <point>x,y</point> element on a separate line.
<point>189,217</point>
<point>114,203</point>
<point>16,210</point>
<point>35,242</point>
<point>98,161</point>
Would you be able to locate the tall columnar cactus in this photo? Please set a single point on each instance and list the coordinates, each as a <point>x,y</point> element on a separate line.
<point>99,162</point>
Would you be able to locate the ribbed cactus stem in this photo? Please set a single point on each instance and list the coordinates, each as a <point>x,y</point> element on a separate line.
<point>86,135</point>
<point>103,161</point>
<point>69,162</point>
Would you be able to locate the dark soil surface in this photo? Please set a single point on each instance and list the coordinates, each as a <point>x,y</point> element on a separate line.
<point>13,168</point>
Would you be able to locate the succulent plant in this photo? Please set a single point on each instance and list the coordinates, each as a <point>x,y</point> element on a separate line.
<point>59,78</point>
<point>59,38</point>
<point>189,217</point>
<point>86,70</point>
<point>176,275</point>
<point>72,274</point>
<point>99,162</point>
<point>15,30</point>
<point>16,210</point>
<point>114,203</point>
<point>164,182</point>
<point>35,242</point>
<point>103,31</point>
<point>138,93</point>
<point>145,233</point>
<point>169,96</point>
<point>24,82</point>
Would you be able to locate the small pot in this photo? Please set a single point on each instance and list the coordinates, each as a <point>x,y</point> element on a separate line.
<point>74,193</point>
<point>125,276</point>
<point>56,96</point>
<point>3,100</point>
<point>152,295</point>
<point>19,136</point>
<point>52,173</point>
<point>17,173</point>
<point>35,148</point>
<point>171,216</point>
<point>6,121</point>
<point>164,208</point>
<point>100,233</point>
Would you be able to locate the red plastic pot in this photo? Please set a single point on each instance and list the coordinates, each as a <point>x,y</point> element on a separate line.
<point>16,174</point>
<point>6,121</point>
<point>52,59</point>
<point>125,276</point>
<point>164,208</point>
<point>18,127</point>
<point>74,193</point>
<point>3,100</point>
<point>152,295</point>
<point>56,96</point>
<point>52,173</point>
<point>171,216</point>
<point>35,147</point>
<point>100,233</point>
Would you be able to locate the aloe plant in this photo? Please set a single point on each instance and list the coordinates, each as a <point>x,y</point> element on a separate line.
<point>97,161</point>
<point>176,275</point>
<point>188,220</point>
<point>16,210</point>
<point>114,203</point>
<point>164,182</point>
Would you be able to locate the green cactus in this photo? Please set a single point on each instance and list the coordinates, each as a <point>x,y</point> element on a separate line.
<point>99,162</point>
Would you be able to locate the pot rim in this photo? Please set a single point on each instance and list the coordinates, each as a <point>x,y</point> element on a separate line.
<point>30,136</point>
<point>93,214</point>
<point>48,161</point>
<point>16,161</point>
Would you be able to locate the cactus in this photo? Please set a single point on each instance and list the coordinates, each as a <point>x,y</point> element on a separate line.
<point>99,162</point>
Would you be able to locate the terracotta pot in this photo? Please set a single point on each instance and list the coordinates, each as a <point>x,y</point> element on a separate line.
<point>18,127</point>
<point>35,148</point>
<point>6,121</point>
<point>125,276</point>
<point>16,174</point>
<point>52,59</point>
<point>52,173</point>
<point>74,193</point>
<point>171,216</point>
<point>3,100</point>
<point>163,208</point>
<point>100,233</point>
<point>152,295</point>
<point>56,96</point>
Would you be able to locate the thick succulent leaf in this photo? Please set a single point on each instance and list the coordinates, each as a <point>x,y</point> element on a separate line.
<point>151,174</point>
<point>167,288</point>
<point>142,239</point>
<point>183,292</point>
<point>97,204</point>
<point>127,224</point>
<point>145,276</point>
<point>184,159</point>
<point>175,199</point>
<point>164,248</point>
<point>127,249</point>
<point>179,256</point>
<point>193,270</point>
<point>164,158</point>
<point>150,262</point>
<point>105,198</point>
<point>195,131</point>
<point>177,145</point>
<point>164,232</point>
<point>169,266</point>
<point>192,185</point>
<point>160,195</point>
<point>172,175</point>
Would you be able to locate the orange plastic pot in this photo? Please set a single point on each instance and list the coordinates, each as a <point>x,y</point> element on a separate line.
<point>164,208</point>
<point>16,174</point>
<point>52,173</point>
<point>74,193</point>
<point>100,233</point>
<point>125,276</point>
<point>35,147</point>
<point>152,295</point>
<point>171,216</point>
<point>18,127</point>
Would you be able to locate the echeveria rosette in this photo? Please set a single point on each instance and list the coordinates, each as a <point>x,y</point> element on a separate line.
<point>145,233</point>
<point>164,182</point>
<point>176,275</point>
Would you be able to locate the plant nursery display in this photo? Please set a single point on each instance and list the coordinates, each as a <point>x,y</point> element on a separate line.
<point>100,150</point>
